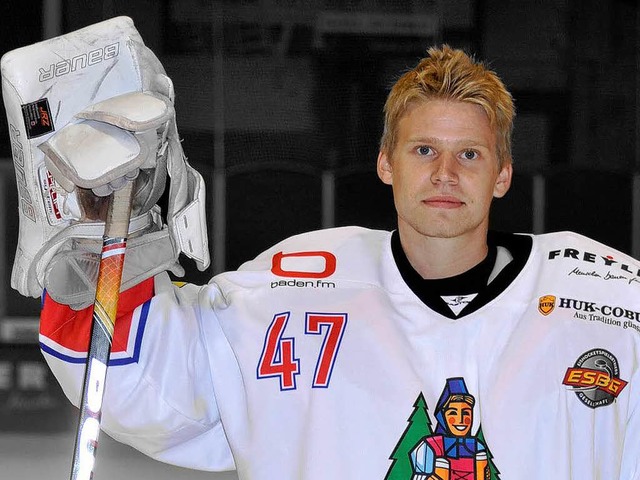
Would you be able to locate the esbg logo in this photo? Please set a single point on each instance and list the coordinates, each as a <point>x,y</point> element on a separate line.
<point>595,378</point>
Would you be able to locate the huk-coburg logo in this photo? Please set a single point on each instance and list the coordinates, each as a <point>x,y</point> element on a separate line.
<point>595,378</point>
<point>546,304</point>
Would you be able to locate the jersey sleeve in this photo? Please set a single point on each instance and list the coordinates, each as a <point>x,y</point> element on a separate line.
<point>159,394</point>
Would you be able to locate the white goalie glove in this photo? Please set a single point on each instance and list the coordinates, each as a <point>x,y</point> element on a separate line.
<point>87,112</point>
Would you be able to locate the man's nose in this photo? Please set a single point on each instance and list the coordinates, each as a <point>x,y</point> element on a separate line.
<point>445,169</point>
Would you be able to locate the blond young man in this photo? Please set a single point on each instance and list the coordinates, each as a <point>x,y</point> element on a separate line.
<point>327,355</point>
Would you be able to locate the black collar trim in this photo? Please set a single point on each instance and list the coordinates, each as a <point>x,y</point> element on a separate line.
<point>472,281</point>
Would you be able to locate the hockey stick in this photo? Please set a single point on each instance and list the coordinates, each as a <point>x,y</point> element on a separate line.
<point>104,317</point>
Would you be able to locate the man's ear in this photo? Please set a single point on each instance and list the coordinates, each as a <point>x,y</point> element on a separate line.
<point>503,182</point>
<point>384,168</point>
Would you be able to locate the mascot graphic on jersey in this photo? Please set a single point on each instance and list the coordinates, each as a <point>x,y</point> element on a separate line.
<point>449,453</point>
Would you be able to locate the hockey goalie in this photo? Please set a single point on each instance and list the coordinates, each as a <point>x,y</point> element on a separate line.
<point>440,351</point>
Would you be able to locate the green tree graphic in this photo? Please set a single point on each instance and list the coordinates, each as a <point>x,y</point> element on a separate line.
<point>493,470</point>
<point>419,427</point>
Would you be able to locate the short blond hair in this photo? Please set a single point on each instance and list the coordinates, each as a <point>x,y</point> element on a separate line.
<point>450,74</point>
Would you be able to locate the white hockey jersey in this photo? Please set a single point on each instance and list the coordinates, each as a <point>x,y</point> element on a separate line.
<point>316,361</point>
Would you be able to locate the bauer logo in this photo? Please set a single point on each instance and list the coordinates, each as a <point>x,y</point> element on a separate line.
<point>79,62</point>
<point>319,264</point>
<point>546,304</point>
<point>26,204</point>
<point>595,378</point>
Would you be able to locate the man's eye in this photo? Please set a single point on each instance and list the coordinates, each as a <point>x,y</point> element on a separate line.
<point>424,150</point>
<point>470,154</point>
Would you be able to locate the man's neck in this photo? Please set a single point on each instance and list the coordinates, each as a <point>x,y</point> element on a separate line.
<point>434,257</point>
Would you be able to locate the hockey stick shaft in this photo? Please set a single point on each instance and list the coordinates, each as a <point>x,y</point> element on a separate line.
<point>102,327</point>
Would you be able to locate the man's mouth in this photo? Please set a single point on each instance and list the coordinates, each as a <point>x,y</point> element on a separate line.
<point>443,201</point>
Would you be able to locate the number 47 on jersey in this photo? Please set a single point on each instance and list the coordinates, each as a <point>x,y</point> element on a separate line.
<point>278,358</point>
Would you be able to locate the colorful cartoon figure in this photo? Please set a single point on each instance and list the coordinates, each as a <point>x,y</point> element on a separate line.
<point>451,453</point>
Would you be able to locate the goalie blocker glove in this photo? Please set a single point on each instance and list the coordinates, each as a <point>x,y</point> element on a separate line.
<point>100,104</point>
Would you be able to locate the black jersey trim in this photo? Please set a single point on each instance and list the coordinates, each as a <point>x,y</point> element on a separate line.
<point>472,281</point>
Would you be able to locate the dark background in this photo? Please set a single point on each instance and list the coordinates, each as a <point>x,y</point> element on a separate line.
<point>269,98</point>
<point>283,109</point>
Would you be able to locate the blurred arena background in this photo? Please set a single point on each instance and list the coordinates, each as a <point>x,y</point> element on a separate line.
<point>279,103</point>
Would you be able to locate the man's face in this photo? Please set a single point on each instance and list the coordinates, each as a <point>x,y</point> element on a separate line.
<point>444,170</point>
<point>459,417</point>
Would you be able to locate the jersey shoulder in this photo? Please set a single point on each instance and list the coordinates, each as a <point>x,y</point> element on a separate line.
<point>575,247</point>
<point>345,254</point>
<point>334,239</point>
<point>577,263</point>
